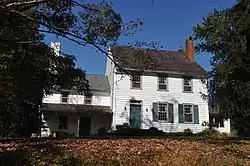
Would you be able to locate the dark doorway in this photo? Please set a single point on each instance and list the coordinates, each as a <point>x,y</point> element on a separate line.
<point>135,114</point>
<point>85,126</point>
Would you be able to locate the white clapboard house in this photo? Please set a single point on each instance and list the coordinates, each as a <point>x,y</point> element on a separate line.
<point>168,97</point>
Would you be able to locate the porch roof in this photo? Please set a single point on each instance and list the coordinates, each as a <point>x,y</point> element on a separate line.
<point>74,108</point>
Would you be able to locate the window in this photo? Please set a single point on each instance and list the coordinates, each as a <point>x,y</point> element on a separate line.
<point>187,84</point>
<point>64,98</point>
<point>63,122</point>
<point>188,113</point>
<point>162,111</point>
<point>88,99</point>
<point>136,81</point>
<point>162,83</point>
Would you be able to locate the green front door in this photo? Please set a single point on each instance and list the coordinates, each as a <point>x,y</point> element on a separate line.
<point>135,115</point>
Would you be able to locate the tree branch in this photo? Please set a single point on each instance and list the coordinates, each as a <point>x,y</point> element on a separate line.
<point>25,3</point>
<point>63,33</point>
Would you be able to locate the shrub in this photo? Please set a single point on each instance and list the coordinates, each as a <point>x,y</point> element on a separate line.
<point>188,132</point>
<point>209,132</point>
<point>124,125</point>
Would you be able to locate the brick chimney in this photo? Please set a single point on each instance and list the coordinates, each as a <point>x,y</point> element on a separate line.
<point>190,49</point>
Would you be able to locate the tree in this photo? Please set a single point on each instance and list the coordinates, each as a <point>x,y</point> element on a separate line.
<point>29,69</point>
<point>226,34</point>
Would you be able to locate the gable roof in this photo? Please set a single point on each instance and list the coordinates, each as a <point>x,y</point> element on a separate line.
<point>167,61</point>
<point>98,83</point>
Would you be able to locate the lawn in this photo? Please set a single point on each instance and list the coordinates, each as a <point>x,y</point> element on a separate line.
<point>145,152</point>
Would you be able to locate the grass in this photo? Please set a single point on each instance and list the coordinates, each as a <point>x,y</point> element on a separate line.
<point>119,152</point>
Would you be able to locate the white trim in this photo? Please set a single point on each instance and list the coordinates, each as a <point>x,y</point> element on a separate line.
<point>188,104</point>
<point>158,108</point>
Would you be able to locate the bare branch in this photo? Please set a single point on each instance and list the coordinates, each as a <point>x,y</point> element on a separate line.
<point>63,33</point>
<point>25,3</point>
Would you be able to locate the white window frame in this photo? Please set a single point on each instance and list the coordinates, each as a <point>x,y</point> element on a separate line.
<point>88,97</point>
<point>63,97</point>
<point>191,84</point>
<point>159,111</point>
<point>138,82</point>
<point>166,82</point>
<point>192,112</point>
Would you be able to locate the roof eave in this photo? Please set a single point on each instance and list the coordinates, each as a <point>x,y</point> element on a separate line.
<point>205,74</point>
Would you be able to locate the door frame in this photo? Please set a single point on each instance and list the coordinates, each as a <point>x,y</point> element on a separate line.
<point>136,102</point>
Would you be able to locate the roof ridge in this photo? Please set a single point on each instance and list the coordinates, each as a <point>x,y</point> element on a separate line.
<point>148,49</point>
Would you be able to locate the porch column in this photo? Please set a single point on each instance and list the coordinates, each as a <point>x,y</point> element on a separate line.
<point>78,124</point>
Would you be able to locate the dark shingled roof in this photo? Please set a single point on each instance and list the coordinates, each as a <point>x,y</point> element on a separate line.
<point>167,61</point>
<point>98,83</point>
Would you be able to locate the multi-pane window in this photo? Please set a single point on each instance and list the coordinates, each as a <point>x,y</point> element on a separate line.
<point>63,122</point>
<point>88,99</point>
<point>162,83</point>
<point>136,81</point>
<point>64,98</point>
<point>188,113</point>
<point>187,84</point>
<point>162,111</point>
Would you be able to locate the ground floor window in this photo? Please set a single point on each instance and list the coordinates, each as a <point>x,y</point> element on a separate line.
<point>162,111</point>
<point>188,113</point>
<point>63,122</point>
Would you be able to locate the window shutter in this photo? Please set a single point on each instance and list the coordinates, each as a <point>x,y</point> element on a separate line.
<point>155,112</point>
<point>170,113</point>
<point>180,113</point>
<point>196,114</point>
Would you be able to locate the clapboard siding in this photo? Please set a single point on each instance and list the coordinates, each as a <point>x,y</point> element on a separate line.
<point>98,98</point>
<point>149,94</point>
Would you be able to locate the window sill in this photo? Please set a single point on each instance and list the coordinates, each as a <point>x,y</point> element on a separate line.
<point>163,90</point>
<point>188,123</point>
<point>187,92</point>
<point>136,88</point>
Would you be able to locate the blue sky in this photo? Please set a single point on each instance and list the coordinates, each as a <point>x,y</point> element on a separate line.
<point>168,22</point>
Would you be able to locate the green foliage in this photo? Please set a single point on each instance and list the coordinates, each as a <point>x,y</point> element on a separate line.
<point>226,34</point>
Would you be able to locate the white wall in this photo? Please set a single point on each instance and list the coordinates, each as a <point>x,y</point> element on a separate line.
<point>149,94</point>
<point>98,98</point>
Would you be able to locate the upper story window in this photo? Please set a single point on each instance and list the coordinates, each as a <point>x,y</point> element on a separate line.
<point>162,83</point>
<point>187,84</point>
<point>64,97</point>
<point>88,99</point>
<point>162,111</point>
<point>188,113</point>
<point>136,82</point>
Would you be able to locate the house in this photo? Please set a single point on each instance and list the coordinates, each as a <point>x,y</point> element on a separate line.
<point>167,96</point>
<point>77,114</point>
<point>150,88</point>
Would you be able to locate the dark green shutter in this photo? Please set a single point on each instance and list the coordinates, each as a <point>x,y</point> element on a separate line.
<point>155,112</point>
<point>180,113</point>
<point>170,113</point>
<point>196,114</point>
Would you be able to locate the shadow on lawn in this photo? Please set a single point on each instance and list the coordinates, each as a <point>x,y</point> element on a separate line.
<point>29,153</point>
